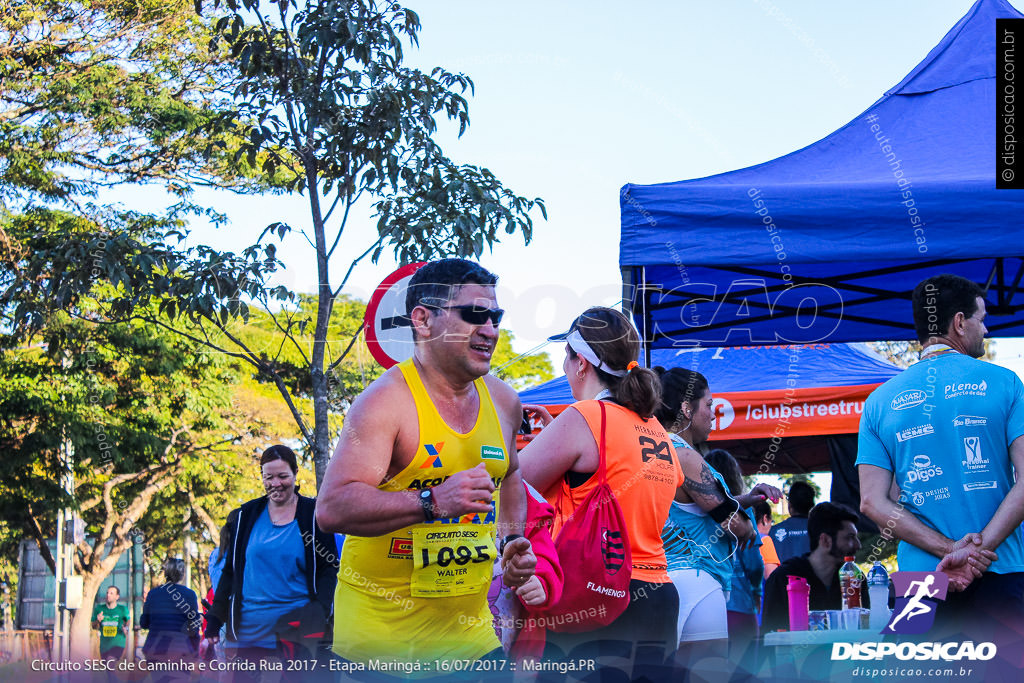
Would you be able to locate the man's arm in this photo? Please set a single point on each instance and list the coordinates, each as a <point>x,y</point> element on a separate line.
<point>512,493</point>
<point>1010,513</point>
<point>349,501</point>
<point>877,504</point>
<point>518,561</point>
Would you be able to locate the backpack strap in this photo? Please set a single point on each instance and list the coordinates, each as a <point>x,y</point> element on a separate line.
<point>601,473</point>
<point>602,470</point>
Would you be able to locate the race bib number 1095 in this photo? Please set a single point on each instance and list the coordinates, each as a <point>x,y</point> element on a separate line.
<point>457,560</point>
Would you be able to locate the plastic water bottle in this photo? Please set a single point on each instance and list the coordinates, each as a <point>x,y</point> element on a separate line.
<point>878,591</point>
<point>851,578</point>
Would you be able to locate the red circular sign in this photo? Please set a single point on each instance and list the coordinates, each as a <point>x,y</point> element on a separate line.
<point>388,331</point>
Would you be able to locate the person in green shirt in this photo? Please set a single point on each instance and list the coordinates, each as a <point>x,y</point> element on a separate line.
<point>112,621</point>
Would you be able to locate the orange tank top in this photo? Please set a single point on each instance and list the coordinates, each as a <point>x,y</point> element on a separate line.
<point>643,474</point>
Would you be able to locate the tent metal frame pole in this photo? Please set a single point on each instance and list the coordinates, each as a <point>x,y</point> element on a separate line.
<point>644,313</point>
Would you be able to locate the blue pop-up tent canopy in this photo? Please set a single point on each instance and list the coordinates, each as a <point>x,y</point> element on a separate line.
<point>782,408</point>
<point>738,370</point>
<point>828,242</point>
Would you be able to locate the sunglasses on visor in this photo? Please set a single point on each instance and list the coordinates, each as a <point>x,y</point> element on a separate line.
<point>474,315</point>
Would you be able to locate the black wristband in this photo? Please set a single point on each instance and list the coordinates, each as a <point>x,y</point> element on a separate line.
<point>428,505</point>
<point>720,513</point>
<point>505,541</point>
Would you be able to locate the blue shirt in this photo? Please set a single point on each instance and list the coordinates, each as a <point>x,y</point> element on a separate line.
<point>216,565</point>
<point>274,582</point>
<point>944,427</point>
<point>693,540</point>
<point>790,538</point>
<point>171,613</point>
<point>747,576</point>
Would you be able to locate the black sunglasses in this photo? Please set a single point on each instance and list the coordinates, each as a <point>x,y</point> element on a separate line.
<point>474,315</point>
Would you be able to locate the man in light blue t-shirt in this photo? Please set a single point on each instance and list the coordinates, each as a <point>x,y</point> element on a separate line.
<point>949,432</point>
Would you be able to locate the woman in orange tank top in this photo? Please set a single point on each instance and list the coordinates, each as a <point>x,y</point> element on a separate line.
<point>600,363</point>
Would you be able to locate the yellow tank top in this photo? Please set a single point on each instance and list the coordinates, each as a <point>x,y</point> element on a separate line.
<point>420,593</point>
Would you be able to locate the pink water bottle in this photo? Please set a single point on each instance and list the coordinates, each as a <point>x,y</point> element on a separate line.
<point>799,603</point>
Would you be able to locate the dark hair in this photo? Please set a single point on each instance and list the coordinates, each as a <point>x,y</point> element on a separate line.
<point>174,569</point>
<point>615,341</point>
<point>723,463</point>
<point>678,386</point>
<point>280,452</point>
<point>222,545</point>
<point>436,283</point>
<point>761,510</point>
<point>115,588</point>
<point>936,300</point>
<point>801,498</point>
<point>827,518</point>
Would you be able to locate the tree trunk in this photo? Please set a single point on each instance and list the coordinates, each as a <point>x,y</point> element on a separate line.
<point>81,622</point>
<point>321,433</point>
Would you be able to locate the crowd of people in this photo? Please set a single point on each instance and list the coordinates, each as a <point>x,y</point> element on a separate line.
<point>453,538</point>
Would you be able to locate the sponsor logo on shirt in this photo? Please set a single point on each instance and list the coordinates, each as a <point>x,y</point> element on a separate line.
<point>954,390</point>
<point>427,483</point>
<point>908,399</point>
<point>492,453</point>
<point>401,549</point>
<point>969,421</point>
<point>780,535</point>
<point>433,455</point>
<point>918,499</point>
<point>914,432</point>
<point>973,459</point>
<point>923,469</point>
<point>980,485</point>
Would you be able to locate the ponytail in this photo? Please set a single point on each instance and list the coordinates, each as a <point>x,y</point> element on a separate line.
<point>613,338</point>
<point>640,391</point>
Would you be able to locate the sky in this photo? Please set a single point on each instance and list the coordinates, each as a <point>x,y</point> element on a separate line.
<point>575,99</point>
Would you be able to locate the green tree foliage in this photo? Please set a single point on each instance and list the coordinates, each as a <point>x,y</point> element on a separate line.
<point>314,100</point>
<point>789,479</point>
<point>522,371</point>
<point>143,420</point>
<point>97,92</point>
<point>906,353</point>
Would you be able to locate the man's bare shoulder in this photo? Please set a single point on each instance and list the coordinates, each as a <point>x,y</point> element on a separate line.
<point>505,398</point>
<point>386,395</point>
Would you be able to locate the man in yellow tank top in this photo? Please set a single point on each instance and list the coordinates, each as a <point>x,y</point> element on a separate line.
<point>425,481</point>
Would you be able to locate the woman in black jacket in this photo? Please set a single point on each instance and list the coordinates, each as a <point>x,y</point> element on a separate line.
<point>279,569</point>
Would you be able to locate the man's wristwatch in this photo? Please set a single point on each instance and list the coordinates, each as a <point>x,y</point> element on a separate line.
<point>427,503</point>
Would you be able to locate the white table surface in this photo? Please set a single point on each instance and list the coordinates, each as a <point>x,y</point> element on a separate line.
<point>778,638</point>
